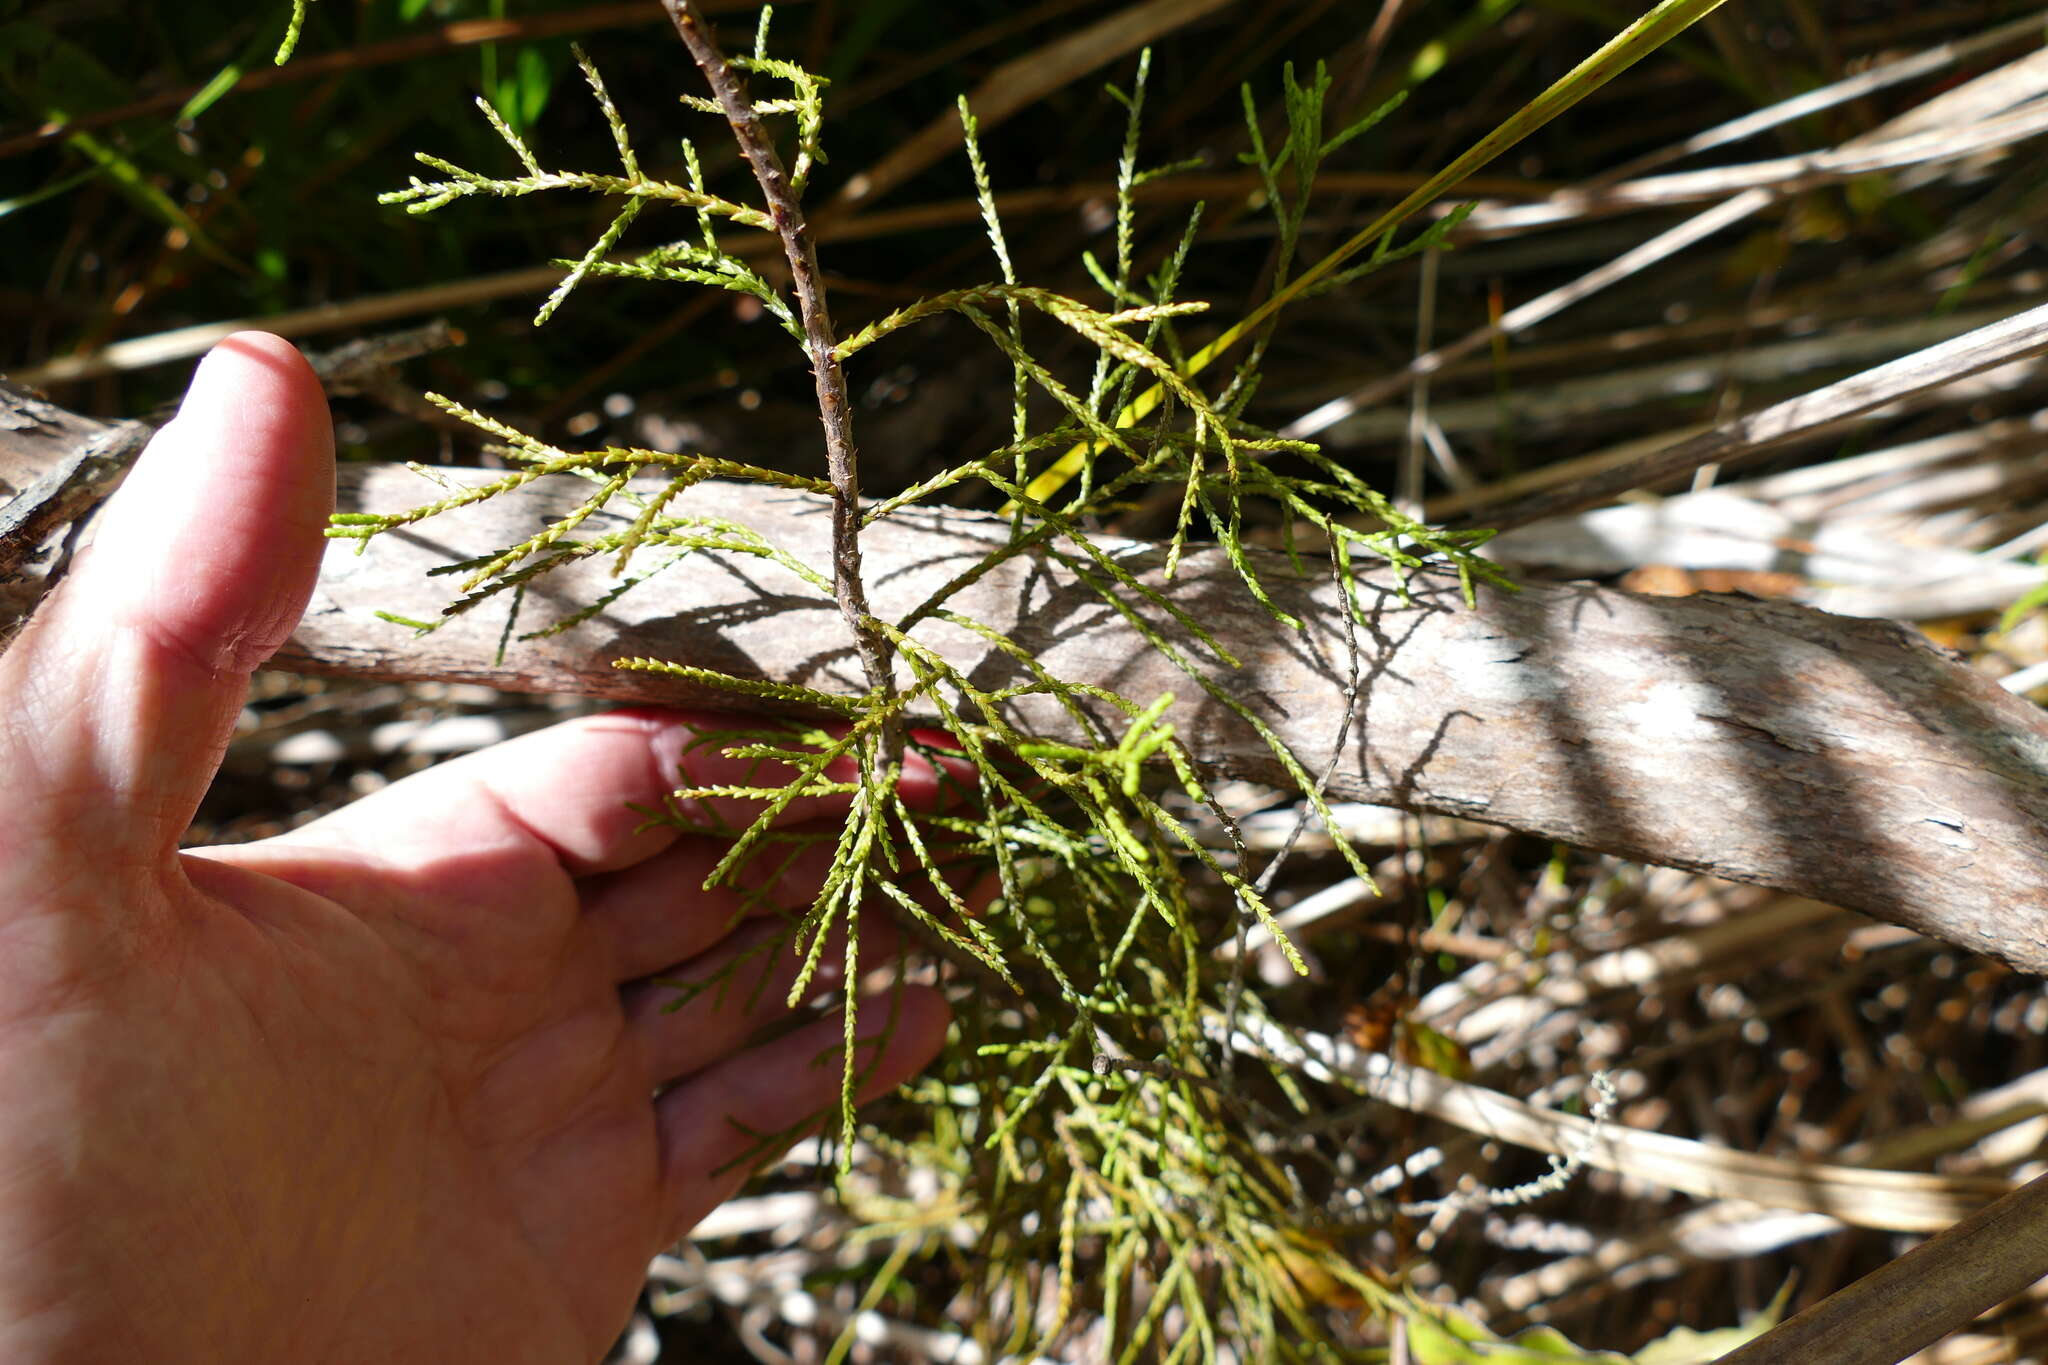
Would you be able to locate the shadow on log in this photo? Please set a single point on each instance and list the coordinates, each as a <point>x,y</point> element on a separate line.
<point>1846,760</point>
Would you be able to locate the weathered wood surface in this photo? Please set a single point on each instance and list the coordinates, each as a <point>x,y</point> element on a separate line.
<point>1841,759</point>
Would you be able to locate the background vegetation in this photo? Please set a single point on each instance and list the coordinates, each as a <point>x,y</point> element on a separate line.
<point>142,195</point>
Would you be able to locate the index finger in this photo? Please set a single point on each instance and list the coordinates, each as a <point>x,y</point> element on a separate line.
<point>579,794</point>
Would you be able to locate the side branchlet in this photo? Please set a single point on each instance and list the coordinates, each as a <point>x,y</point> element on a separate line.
<point>295,27</point>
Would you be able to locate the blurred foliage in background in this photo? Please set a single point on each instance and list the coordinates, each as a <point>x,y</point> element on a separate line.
<point>177,196</point>
<point>157,171</point>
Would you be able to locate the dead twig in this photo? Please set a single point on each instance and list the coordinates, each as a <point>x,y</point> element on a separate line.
<point>1933,1289</point>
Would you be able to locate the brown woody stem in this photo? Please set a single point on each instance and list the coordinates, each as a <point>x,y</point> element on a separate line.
<point>841,459</point>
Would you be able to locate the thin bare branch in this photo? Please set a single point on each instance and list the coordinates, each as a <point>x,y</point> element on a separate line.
<point>1913,1301</point>
<point>834,411</point>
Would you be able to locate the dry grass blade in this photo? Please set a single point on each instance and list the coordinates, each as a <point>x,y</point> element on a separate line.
<point>2009,1117</point>
<point>2017,338</point>
<point>909,69</point>
<point>1185,187</point>
<point>1899,1201</point>
<point>1018,83</point>
<point>1519,319</point>
<point>1979,99</point>
<point>1938,58</point>
<point>182,343</point>
<point>1786,173</point>
<point>1618,389</point>
<point>1649,966</point>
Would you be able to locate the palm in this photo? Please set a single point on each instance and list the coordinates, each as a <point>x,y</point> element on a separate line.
<point>384,1088</point>
<point>509,1103</point>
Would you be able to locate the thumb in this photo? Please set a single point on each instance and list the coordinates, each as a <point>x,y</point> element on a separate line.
<point>118,698</point>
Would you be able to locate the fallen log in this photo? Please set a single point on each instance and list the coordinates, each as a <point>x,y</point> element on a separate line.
<point>1845,760</point>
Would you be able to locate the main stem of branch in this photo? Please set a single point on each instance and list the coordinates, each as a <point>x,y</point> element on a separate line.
<point>842,461</point>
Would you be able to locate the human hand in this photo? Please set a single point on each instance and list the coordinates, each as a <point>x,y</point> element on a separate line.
<point>383,1088</point>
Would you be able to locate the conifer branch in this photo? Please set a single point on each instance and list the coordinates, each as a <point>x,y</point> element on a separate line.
<point>842,461</point>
